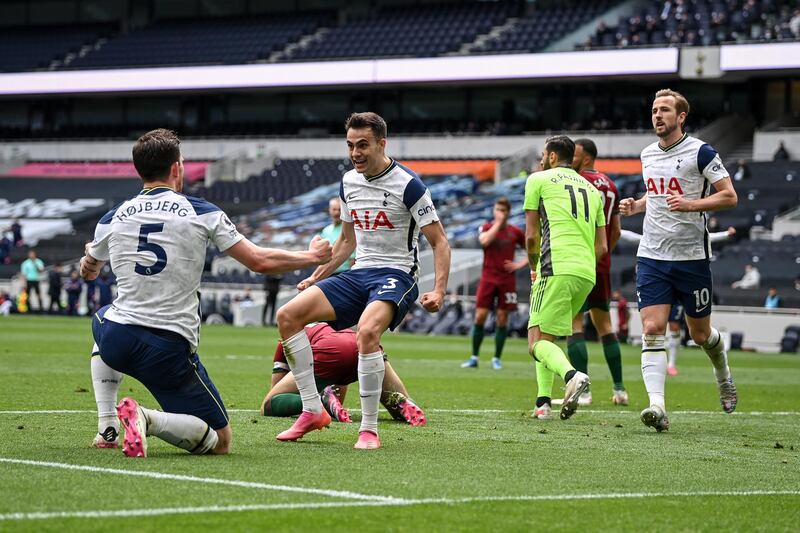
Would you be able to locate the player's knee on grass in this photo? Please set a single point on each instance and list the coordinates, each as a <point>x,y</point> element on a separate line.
<point>224,438</point>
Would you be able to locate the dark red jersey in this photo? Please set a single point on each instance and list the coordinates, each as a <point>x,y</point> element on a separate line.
<point>502,249</point>
<point>606,186</point>
<point>335,353</point>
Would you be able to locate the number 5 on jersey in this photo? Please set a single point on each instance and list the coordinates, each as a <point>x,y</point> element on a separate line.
<point>144,246</point>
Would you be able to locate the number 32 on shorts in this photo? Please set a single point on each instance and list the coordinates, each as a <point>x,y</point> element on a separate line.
<point>511,297</point>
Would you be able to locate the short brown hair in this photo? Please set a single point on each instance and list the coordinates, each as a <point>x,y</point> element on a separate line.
<point>681,103</point>
<point>368,119</point>
<point>503,201</point>
<point>155,152</point>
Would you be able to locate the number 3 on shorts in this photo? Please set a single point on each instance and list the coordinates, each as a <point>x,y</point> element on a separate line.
<point>389,286</point>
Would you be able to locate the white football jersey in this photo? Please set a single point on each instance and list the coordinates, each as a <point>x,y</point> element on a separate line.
<point>387,211</point>
<point>688,167</point>
<point>156,243</point>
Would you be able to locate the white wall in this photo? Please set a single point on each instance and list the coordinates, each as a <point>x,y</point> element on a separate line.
<point>766,142</point>
<point>762,328</point>
<point>480,147</point>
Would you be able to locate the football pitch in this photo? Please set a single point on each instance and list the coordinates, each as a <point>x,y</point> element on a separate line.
<point>482,463</point>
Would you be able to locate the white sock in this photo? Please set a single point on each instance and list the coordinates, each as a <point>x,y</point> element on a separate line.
<point>673,341</point>
<point>371,369</point>
<point>105,382</point>
<point>297,350</point>
<point>715,349</point>
<point>654,368</point>
<point>184,431</point>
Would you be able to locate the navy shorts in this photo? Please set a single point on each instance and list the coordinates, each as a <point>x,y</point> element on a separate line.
<point>676,313</point>
<point>349,293</point>
<point>164,363</point>
<point>669,282</point>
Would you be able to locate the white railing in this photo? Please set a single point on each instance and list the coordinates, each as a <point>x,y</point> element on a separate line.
<point>239,165</point>
<point>786,224</point>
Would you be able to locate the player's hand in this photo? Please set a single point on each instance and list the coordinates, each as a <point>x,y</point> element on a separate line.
<point>731,232</point>
<point>533,276</point>
<point>432,301</point>
<point>89,266</point>
<point>500,218</point>
<point>320,249</point>
<point>509,266</point>
<point>627,207</point>
<point>306,283</point>
<point>678,202</point>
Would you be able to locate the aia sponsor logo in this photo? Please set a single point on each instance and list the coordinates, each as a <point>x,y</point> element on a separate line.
<point>368,221</point>
<point>663,185</point>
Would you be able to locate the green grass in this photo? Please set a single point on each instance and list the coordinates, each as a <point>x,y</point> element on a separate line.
<point>711,471</point>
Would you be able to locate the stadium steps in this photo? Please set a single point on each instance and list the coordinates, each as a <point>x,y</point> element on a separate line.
<point>743,150</point>
<point>496,32</point>
<point>307,40</point>
<point>610,17</point>
<point>83,52</point>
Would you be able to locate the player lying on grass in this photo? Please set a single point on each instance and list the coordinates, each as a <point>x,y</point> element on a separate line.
<point>335,367</point>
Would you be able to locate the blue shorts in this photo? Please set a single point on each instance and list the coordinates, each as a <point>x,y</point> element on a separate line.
<point>676,313</point>
<point>669,282</point>
<point>164,363</point>
<point>349,293</point>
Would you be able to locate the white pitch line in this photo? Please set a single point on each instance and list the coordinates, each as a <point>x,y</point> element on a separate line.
<point>47,412</point>
<point>205,480</point>
<point>387,503</point>
<point>454,411</point>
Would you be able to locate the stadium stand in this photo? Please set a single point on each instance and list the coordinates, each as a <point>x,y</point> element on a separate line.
<point>285,205</point>
<point>700,23</point>
<point>35,48</point>
<point>203,41</point>
<point>288,178</point>
<point>425,31</point>
<point>539,29</point>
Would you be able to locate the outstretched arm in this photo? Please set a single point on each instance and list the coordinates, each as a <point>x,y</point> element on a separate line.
<point>276,261</point>
<point>342,250</point>
<point>722,236</point>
